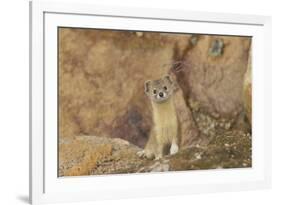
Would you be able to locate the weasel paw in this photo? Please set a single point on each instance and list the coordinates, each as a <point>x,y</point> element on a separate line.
<point>145,154</point>
<point>141,153</point>
<point>157,158</point>
<point>174,149</point>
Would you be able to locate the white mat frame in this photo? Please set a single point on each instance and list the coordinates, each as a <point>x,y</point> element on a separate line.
<point>47,188</point>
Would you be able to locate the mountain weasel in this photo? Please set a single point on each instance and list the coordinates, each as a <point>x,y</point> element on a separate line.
<point>163,137</point>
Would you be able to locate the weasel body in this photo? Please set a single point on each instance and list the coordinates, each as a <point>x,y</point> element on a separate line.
<point>163,137</point>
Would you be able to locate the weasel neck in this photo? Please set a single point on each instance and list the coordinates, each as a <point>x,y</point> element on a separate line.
<point>164,111</point>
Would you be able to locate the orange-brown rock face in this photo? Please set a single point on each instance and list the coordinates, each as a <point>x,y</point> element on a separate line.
<point>188,131</point>
<point>213,73</point>
<point>101,77</point>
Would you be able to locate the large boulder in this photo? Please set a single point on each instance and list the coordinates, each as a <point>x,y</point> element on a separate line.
<point>212,73</point>
<point>101,77</point>
<point>86,155</point>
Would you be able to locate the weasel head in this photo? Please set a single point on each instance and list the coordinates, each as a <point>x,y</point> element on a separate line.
<point>159,90</point>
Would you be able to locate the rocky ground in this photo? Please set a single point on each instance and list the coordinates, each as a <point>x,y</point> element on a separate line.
<point>228,146</point>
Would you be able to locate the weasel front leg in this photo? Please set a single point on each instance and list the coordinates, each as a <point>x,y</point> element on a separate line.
<point>174,149</point>
<point>159,151</point>
<point>149,150</point>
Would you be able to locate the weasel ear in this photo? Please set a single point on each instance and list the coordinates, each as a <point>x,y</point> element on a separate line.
<point>147,86</point>
<point>172,82</point>
<point>169,79</point>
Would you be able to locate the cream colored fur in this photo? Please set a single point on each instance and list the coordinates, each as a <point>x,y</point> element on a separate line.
<point>165,131</point>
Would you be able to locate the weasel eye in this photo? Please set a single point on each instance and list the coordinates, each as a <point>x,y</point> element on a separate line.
<point>165,88</point>
<point>154,91</point>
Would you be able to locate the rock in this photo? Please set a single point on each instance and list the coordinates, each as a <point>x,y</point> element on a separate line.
<point>188,130</point>
<point>101,77</point>
<point>216,48</point>
<point>158,166</point>
<point>139,34</point>
<point>102,74</point>
<point>86,155</point>
<point>91,155</point>
<point>193,40</point>
<point>212,73</point>
<point>215,154</point>
<point>80,156</point>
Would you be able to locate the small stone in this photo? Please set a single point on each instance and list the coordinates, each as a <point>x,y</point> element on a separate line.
<point>216,48</point>
<point>198,156</point>
<point>121,141</point>
<point>160,168</point>
<point>193,40</point>
<point>227,126</point>
<point>139,34</point>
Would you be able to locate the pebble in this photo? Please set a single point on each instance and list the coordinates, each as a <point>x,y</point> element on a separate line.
<point>139,34</point>
<point>198,156</point>
<point>193,40</point>
<point>227,126</point>
<point>160,168</point>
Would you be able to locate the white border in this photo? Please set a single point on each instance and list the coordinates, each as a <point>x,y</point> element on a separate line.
<point>46,187</point>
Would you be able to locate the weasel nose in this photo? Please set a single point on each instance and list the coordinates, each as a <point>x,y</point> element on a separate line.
<point>161,94</point>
